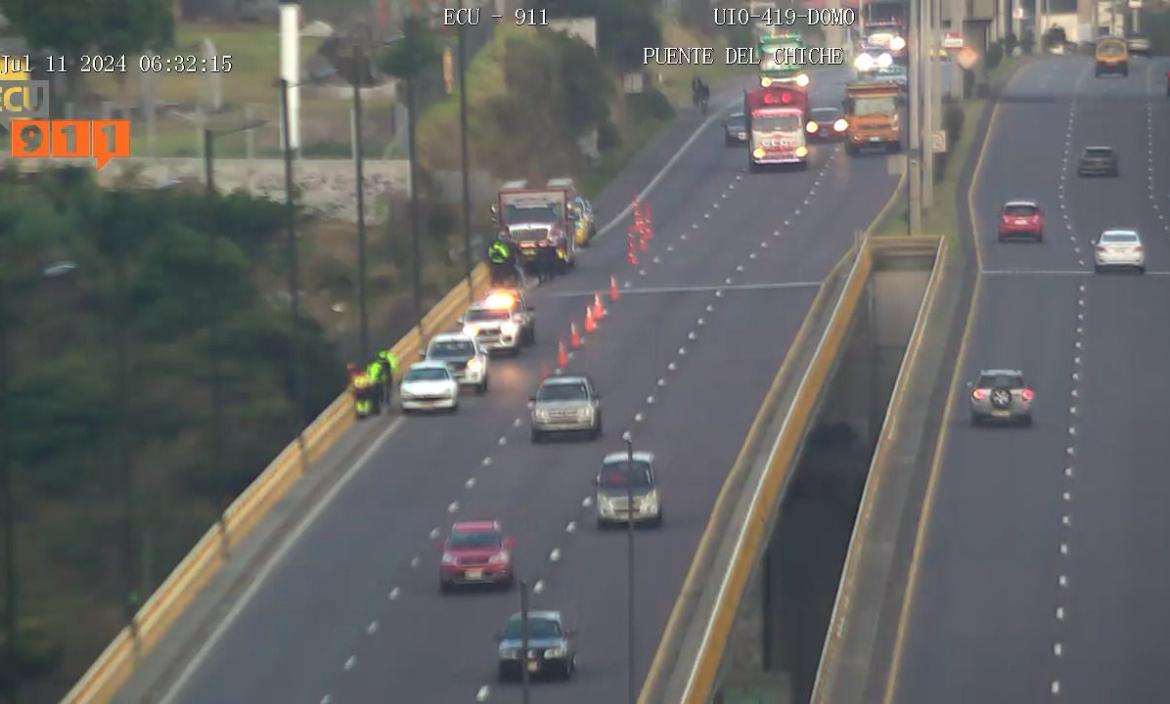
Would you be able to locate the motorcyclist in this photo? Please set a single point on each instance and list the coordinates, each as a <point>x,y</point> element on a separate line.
<point>700,93</point>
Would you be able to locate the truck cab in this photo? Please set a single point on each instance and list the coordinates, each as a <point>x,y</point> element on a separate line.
<point>776,118</point>
<point>872,116</point>
<point>537,218</point>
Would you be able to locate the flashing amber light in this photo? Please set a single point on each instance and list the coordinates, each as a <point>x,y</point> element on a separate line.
<point>500,299</point>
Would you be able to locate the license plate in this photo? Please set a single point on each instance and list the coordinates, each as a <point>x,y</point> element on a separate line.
<point>473,574</point>
<point>1001,414</point>
<point>875,139</point>
<point>533,665</point>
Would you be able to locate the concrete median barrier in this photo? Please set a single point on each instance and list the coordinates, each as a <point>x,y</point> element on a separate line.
<point>118,661</point>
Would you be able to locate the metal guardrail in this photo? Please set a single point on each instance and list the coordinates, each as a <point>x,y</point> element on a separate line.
<point>167,604</point>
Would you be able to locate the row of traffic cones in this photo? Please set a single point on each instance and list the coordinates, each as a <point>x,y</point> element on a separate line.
<point>640,233</point>
<point>594,312</point>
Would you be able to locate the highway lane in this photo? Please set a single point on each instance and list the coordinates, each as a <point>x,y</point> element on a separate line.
<point>999,611</point>
<point>369,557</point>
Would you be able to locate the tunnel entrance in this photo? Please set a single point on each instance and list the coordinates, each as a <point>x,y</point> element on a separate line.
<point>780,626</point>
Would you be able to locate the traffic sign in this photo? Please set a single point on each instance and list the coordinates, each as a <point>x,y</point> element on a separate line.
<point>938,142</point>
<point>953,40</point>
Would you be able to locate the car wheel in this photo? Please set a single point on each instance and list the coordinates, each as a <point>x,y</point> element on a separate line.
<point>453,409</point>
<point>753,167</point>
<point>502,673</point>
<point>976,419</point>
<point>570,667</point>
<point>1027,420</point>
<point>1141,270</point>
<point>602,524</point>
<point>482,388</point>
<point>537,436</point>
<point>507,584</point>
<point>1039,237</point>
<point>444,587</point>
<point>659,519</point>
<point>1097,268</point>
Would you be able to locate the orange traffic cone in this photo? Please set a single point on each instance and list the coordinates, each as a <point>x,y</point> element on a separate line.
<point>574,336</point>
<point>614,293</point>
<point>643,243</point>
<point>590,321</point>
<point>562,355</point>
<point>598,308</point>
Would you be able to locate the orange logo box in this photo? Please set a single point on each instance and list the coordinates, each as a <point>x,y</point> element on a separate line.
<point>102,140</point>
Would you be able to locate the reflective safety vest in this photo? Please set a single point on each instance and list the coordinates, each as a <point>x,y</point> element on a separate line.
<point>374,371</point>
<point>391,359</point>
<point>499,253</point>
<point>362,381</point>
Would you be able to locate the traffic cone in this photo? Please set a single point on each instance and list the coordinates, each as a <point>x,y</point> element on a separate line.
<point>590,321</point>
<point>643,243</point>
<point>648,223</point>
<point>598,308</point>
<point>631,250</point>
<point>614,293</point>
<point>574,336</point>
<point>562,355</point>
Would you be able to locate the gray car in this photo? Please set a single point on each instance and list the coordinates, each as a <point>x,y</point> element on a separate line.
<point>1001,395</point>
<point>1098,161</point>
<point>566,404</point>
<point>735,130</point>
<point>618,480</point>
<point>550,646</point>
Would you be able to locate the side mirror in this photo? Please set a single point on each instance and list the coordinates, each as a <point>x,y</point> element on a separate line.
<point>509,543</point>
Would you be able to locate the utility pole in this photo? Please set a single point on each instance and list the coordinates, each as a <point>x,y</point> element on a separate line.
<point>914,135</point>
<point>294,275</point>
<point>11,622</point>
<point>928,90</point>
<point>413,157</point>
<point>525,683</point>
<point>463,159</point>
<point>214,324</point>
<point>631,673</point>
<point>363,319</point>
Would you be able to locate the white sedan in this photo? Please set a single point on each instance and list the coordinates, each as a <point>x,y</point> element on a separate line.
<point>429,386</point>
<point>1119,249</point>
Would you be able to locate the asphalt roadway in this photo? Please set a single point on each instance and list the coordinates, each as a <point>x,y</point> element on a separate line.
<point>351,612</point>
<point>1043,569</point>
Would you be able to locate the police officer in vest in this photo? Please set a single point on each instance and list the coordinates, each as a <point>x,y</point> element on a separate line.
<point>388,361</point>
<point>502,260</point>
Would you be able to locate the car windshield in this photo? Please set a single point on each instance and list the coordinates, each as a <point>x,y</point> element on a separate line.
<point>544,213</point>
<point>736,121</point>
<point>1099,152</point>
<point>825,114</point>
<point>1111,49</point>
<point>480,540</point>
<point>1000,381</point>
<point>614,476</point>
<point>1119,238</point>
<point>485,314</point>
<point>776,123</point>
<point>427,374</point>
<point>1020,211</point>
<point>538,629</point>
<point>451,349</point>
<point>563,392</point>
<point>877,105</point>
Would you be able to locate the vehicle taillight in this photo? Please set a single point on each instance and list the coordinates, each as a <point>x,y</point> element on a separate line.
<point>1027,394</point>
<point>979,394</point>
<point>1101,249</point>
<point>1137,248</point>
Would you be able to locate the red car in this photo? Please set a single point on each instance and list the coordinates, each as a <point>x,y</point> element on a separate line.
<point>476,552</point>
<point>1021,218</point>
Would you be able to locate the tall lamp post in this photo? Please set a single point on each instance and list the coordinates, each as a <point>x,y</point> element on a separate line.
<point>629,440</point>
<point>217,454</point>
<point>359,69</point>
<point>294,274</point>
<point>463,160</point>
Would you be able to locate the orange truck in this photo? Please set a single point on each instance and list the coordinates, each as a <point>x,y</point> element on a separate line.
<point>872,113</point>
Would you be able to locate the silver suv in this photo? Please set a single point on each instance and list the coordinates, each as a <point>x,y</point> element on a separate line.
<point>1001,395</point>
<point>566,404</point>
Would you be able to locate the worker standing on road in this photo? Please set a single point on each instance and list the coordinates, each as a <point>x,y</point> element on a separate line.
<point>389,364</point>
<point>502,259</point>
<point>365,397</point>
<point>377,376</point>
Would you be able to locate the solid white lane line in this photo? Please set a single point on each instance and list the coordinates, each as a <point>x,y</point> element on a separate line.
<point>394,593</point>
<point>372,628</point>
<point>415,562</point>
<point>350,663</point>
<point>453,507</point>
<point>483,693</point>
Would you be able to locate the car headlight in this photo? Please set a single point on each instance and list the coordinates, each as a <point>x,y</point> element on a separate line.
<point>448,559</point>
<point>474,365</point>
<point>510,653</point>
<point>407,393</point>
<point>758,152</point>
<point>765,81</point>
<point>500,558</point>
<point>509,328</point>
<point>558,652</point>
<point>863,62</point>
<point>897,43</point>
<point>840,125</point>
<point>802,80</point>
<point>540,414</point>
<point>470,330</point>
<point>650,501</point>
<point>802,151</point>
<point>811,126</point>
<point>585,413</point>
<point>884,60</point>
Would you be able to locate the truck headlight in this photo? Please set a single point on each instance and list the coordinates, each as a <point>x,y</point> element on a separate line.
<point>470,330</point>
<point>802,151</point>
<point>840,125</point>
<point>897,43</point>
<point>884,61</point>
<point>758,152</point>
<point>650,502</point>
<point>765,81</point>
<point>509,328</point>
<point>811,127</point>
<point>863,62</point>
<point>474,365</point>
<point>555,653</point>
<point>802,80</point>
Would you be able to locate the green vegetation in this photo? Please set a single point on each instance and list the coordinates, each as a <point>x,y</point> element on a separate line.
<point>107,369</point>
<point>1156,25</point>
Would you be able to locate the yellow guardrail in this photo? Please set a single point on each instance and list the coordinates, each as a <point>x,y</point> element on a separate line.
<point>838,620</point>
<point>701,680</point>
<point>152,622</point>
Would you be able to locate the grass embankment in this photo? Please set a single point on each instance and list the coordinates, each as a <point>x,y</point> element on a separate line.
<point>943,217</point>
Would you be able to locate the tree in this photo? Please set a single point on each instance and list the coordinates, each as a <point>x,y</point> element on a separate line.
<point>413,53</point>
<point>72,28</point>
<point>624,27</point>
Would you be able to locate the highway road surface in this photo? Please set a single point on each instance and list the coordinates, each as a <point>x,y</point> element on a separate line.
<point>351,611</point>
<point>1043,569</point>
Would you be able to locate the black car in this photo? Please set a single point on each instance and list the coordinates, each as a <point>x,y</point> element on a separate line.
<point>1098,161</point>
<point>826,124</point>
<point>735,129</point>
<point>551,650</point>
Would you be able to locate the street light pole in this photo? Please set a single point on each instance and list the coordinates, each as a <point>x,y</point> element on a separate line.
<point>914,135</point>
<point>413,157</point>
<point>463,160</point>
<point>633,696</point>
<point>363,320</point>
<point>524,679</point>
<point>216,384</point>
<point>294,276</point>
<point>10,580</point>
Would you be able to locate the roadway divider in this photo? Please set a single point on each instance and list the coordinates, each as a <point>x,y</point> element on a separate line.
<point>843,675</point>
<point>153,620</point>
